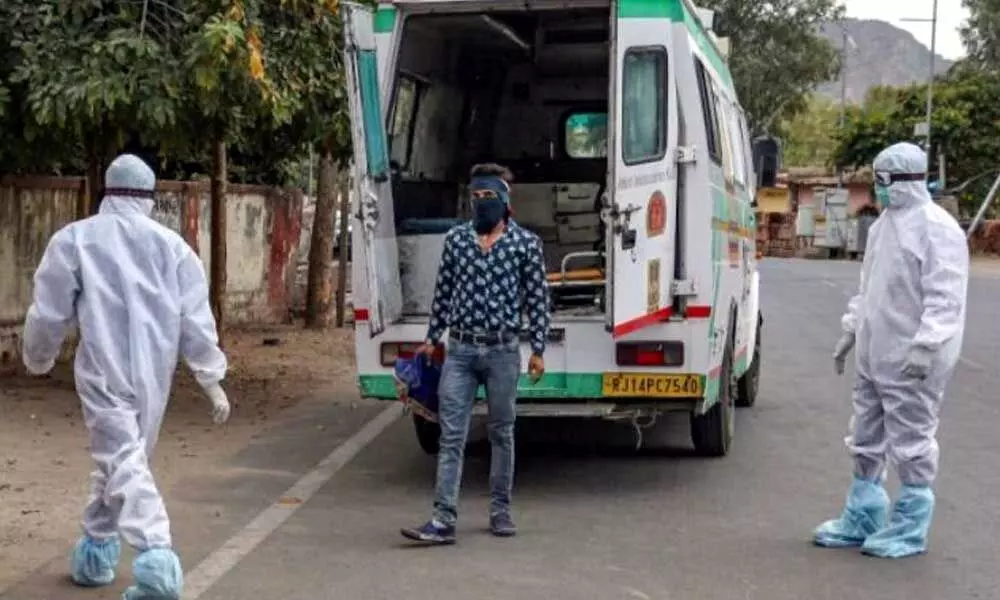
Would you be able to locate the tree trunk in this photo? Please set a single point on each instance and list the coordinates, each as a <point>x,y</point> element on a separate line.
<point>217,293</point>
<point>83,201</point>
<point>319,292</point>
<point>95,184</point>
<point>103,149</point>
<point>345,250</point>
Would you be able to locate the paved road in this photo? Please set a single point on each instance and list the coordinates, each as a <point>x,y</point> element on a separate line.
<point>600,522</point>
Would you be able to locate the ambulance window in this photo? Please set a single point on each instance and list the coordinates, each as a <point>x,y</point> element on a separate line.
<point>745,145</point>
<point>723,124</point>
<point>735,139</point>
<point>585,135</point>
<point>644,105</point>
<point>404,119</point>
<point>371,110</point>
<point>708,112</point>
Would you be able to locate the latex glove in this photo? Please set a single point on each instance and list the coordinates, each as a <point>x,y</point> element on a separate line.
<point>918,362</point>
<point>536,368</point>
<point>220,404</point>
<point>840,352</point>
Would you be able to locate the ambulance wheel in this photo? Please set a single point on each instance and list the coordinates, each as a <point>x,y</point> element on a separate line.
<point>428,434</point>
<point>712,432</point>
<point>749,384</point>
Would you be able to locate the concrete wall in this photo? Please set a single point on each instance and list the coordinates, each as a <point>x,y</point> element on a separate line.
<point>263,224</point>
<point>30,211</point>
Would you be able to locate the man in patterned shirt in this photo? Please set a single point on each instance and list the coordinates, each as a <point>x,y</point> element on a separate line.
<point>492,272</point>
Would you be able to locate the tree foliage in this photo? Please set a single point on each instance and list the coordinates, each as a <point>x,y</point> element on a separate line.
<point>94,73</point>
<point>810,136</point>
<point>981,34</point>
<point>777,56</point>
<point>83,80</point>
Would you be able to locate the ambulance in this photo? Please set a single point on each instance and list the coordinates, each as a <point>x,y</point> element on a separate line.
<point>631,161</point>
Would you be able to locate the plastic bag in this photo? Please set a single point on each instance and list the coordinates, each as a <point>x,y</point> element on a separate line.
<point>417,381</point>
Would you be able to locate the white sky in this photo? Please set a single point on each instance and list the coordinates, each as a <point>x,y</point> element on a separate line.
<point>950,16</point>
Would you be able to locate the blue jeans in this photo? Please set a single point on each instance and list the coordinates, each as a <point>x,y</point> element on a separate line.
<point>466,367</point>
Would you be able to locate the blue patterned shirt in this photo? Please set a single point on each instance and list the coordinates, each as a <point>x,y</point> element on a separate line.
<point>485,292</point>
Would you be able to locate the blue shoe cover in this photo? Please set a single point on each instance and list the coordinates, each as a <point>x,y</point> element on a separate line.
<point>94,562</point>
<point>908,529</point>
<point>864,514</point>
<point>158,576</point>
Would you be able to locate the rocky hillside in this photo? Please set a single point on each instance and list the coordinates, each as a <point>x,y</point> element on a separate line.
<point>884,55</point>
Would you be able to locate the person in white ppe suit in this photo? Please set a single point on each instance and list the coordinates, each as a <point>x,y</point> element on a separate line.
<point>139,296</point>
<point>907,321</point>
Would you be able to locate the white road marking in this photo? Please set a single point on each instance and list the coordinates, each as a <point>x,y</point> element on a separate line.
<point>829,283</point>
<point>222,560</point>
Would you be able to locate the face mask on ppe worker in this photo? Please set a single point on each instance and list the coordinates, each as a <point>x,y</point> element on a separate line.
<point>882,195</point>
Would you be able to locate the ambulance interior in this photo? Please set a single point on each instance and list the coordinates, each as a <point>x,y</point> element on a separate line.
<point>527,90</point>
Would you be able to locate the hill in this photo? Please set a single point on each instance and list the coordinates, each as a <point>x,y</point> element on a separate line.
<point>883,55</point>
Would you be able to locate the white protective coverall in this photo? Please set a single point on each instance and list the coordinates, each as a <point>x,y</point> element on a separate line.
<point>910,307</point>
<point>139,295</point>
<point>908,321</point>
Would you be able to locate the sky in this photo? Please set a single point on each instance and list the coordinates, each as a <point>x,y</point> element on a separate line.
<point>950,17</point>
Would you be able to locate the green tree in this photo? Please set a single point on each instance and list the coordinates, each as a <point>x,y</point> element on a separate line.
<point>811,136</point>
<point>981,33</point>
<point>25,148</point>
<point>8,62</point>
<point>777,58</point>
<point>95,74</point>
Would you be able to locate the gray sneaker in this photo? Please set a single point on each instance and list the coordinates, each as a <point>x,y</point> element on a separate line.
<point>501,525</point>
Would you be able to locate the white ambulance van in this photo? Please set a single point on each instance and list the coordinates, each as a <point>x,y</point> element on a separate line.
<point>632,162</point>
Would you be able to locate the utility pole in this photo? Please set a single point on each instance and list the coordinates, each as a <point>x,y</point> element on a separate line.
<point>843,94</point>
<point>930,79</point>
<point>930,84</point>
<point>840,224</point>
<point>843,78</point>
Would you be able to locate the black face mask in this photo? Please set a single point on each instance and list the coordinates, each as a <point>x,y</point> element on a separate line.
<point>488,214</point>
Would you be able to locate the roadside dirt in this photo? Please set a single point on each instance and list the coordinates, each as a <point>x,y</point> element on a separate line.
<point>44,463</point>
<point>986,261</point>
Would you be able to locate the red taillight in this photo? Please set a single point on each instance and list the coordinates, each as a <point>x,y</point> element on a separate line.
<point>649,354</point>
<point>650,357</point>
<point>390,352</point>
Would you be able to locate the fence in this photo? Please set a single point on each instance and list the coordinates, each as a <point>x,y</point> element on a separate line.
<point>263,229</point>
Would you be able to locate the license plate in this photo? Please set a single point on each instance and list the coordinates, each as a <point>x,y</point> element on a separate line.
<point>645,385</point>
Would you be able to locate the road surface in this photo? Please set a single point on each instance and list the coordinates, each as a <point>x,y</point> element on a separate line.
<point>599,522</point>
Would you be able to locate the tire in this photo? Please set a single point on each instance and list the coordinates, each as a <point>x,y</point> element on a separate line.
<point>712,432</point>
<point>749,384</point>
<point>428,434</point>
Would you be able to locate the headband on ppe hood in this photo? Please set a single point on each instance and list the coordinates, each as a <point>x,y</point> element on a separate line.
<point>128,176</point>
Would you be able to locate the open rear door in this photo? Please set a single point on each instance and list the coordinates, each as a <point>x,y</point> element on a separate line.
<point>643,209</point>
<point>372,182</point>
